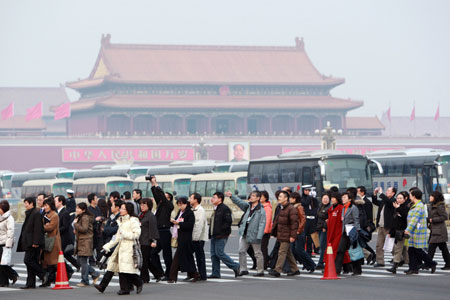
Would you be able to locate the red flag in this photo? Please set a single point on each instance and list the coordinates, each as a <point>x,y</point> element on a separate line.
<point>388,113</point>
<point>35,112</point>
<point>8,112</point>
<point>62,111</point>
<point>437,115</point>
<point>413,114</point>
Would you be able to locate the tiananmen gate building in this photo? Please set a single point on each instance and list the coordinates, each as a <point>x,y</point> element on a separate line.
<point>206,90</point>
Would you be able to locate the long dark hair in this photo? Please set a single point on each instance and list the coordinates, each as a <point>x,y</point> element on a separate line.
<point>130,208</point>
<point>438,197</point>
<point>83,206</point>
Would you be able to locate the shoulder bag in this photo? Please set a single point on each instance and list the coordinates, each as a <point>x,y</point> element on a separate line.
<point>49,243</point>
<point>137,254</point>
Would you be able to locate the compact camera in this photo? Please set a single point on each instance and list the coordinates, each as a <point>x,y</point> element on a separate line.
<point>149,177</point>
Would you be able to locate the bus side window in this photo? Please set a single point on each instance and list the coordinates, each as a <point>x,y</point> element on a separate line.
<point>299,176</point>
<point>255,173</point>
<point>307,176</point>
<point>211,188</point>
<point>229,186</point>
<point>271,173</point>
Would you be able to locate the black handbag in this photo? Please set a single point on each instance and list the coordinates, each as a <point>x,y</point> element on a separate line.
<point>137,254</point>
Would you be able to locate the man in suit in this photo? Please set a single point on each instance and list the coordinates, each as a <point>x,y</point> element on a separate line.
<point>66,233</point>
<point>31,241</point>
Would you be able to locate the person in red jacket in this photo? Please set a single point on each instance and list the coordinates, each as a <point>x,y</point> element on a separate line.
<point>334,224</point>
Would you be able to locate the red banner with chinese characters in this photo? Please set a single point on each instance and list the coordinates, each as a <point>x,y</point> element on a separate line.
<point>141,154</point>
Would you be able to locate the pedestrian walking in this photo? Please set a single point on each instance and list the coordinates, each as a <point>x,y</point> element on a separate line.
<point>369,253</point>
<point>148,240</point>
<point>285,227</point>
<point>350,217</point>
<point>7,273</point>
<point>251,230</point>
<point>417,235</point>
<point>385,218</point>
<point>51,229</point>
<point>164,208</point>
<point>219,230</point>
<point>199,234</point>
<point>265,202</point>
<point>121,260</point>
<point>84,235</point>
<point>397,231</point>
<point>31,241</point>
<point>310,206</point>
<point>183,259</point>
<point>438,236</point>
<point>97,226</point>
<point>298,247</point>
<point>322,217</point>
<point>110,229</point>
<point>334,228</point>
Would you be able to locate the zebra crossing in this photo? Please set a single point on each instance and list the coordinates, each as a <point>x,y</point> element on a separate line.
<point>227,275</point>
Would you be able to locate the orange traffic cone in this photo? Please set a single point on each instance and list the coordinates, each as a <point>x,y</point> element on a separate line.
<point>330,268</point>
<point>62,282</point>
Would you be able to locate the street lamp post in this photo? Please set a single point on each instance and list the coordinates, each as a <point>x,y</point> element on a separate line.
<point>201,152</point>
<point>328,137</point>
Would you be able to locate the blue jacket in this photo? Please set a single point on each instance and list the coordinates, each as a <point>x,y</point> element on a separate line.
<point>256,223</point>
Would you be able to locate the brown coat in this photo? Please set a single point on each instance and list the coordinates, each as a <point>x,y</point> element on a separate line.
<point>438,215</point>
<point>301,217</point>
<point>52,230</point>
<point>84,235</point>
<point>286,223</point>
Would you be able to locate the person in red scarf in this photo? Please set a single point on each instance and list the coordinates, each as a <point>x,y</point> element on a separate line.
<point>334,224</point>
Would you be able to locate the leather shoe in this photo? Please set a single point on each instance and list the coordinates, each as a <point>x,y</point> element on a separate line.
<point>99,288</point>
<point>410,272</point>
<point>139,289</point>
<point>258,274</point>
<point>433,267</point>
<point>237,272</point>
<point>14,279</point>
<point>243,273</point>
<point>165,278</point>
<point>274,274</point>
<point>213,277</point>
<point>27,287</point>
<point>293,273</point>
<point>122,292</point>
<point>377,265</point>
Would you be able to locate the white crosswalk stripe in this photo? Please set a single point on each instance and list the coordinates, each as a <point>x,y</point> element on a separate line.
<point>227,275</point>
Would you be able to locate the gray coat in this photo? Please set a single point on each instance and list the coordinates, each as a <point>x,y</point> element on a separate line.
<point>351,216</point>
<point>256,223</point>
<point>438,229</point>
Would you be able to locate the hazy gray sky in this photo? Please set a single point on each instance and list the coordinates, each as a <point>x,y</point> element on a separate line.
<point>388,51</point>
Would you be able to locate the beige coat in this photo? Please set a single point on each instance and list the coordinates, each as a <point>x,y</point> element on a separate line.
<point>121,259</point>
<point>52,230</point>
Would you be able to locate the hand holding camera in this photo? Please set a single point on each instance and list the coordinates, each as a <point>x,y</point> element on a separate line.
<point>152,179</point>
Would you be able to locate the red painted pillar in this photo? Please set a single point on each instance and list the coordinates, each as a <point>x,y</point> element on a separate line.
<point>131,125</point>
<point>295,126</point>
<point>209,125</point>
<point>183,125</point>
<point>158,123</point>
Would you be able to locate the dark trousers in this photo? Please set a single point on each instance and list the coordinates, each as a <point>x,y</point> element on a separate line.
<point>72,260</point>
<point>173,274</point>
<point>148,265</point>
<point>107,277</point>
<point>6,274</point>
<point>31,260</point>
<point>265,250</point>
<point>51,270</point>
<point>344,245</point>
<point>416,257</point>
<point>199,251</point>
<point>443,247</point>
<point>127,280</point>
<point>298,249</point>
<point>163,244</point>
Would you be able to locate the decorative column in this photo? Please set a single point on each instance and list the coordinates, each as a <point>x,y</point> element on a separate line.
<point>245,125</point>
<point>270,125</point>
<point>131,125</point>
<point>183,125</point>
<point>158,130</point>
<point>209,125</point>
<point>295,125</point>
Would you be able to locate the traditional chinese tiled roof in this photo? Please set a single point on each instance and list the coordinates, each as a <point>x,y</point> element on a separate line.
<point>215,102</point>
<point>366,123</point>
<point>188,64</point>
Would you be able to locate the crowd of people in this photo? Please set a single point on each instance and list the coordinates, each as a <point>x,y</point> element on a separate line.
<point>125,235</point>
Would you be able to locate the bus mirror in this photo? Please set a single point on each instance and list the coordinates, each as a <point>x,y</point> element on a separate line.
<point>322,168</point>
<point>174,193</point>
<point>379,166</point>
<point>236,192</point>
<point>439,170</point>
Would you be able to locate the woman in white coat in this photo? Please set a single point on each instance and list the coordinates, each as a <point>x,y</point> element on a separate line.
<point>121,259</point>
<point>6,242</point>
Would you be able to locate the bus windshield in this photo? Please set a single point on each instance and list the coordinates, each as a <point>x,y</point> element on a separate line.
<point>182,187</point>
<point>242,187</point>
<point>120,186</point>
<point>344,173</point>
<point>445,161</point>
<point>60,188</point>
<point>65,175</point>
<point>137,172</point>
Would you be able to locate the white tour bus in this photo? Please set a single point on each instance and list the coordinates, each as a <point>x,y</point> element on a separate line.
<point>101,186</point>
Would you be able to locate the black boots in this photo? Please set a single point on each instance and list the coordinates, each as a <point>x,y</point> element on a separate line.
<point>393,270</point>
